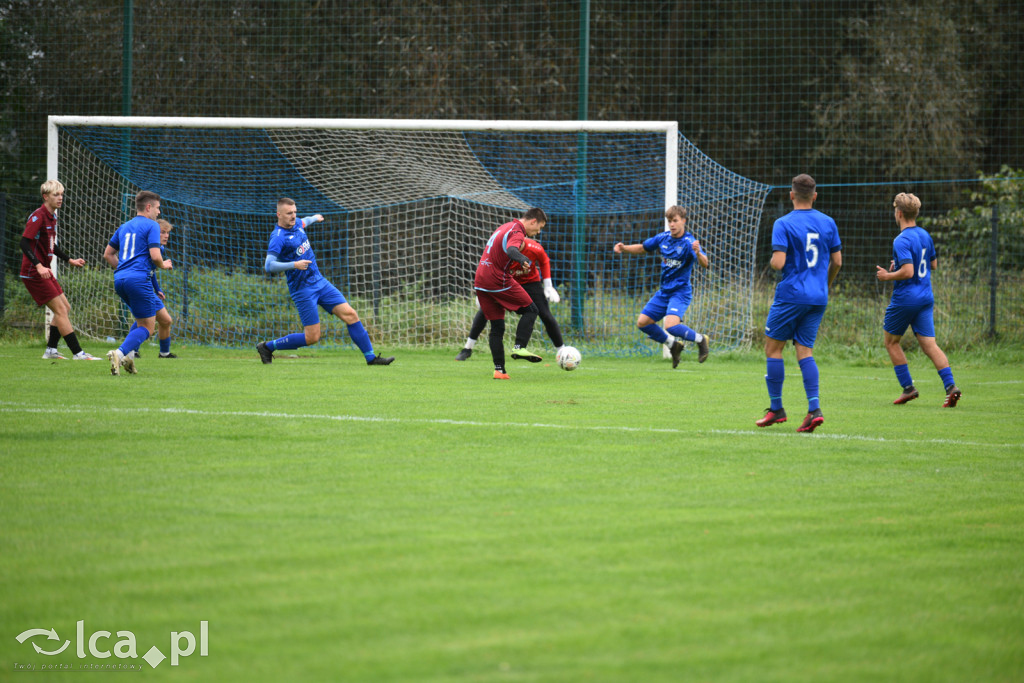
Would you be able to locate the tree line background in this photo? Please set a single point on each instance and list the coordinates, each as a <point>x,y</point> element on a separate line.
<point>870,97</point>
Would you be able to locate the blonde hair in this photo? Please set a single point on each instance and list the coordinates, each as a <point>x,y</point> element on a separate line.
<point>51,187</point>
<point>164,225</point>
<point>908,204</point>
<point>672,211</point>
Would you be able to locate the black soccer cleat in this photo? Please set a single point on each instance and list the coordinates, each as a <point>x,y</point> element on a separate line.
<point>772,417</point>
<point>266,355</point>
<point>812,421</point>
<point>167,355</point>
<point>380,360</point>
<point>702,347</point>
<point>677,351</point>
<point>909,394</point>
<point>952,397</point>
<point>464,354</point>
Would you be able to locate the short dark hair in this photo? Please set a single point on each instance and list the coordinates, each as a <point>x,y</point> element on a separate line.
<point>803,187</point>
<point>285,200</point>
<point>536,214</point>
<point>144,199</point>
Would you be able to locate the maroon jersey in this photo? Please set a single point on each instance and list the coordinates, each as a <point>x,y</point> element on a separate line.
<point>494,272</point>
<point>41,227</point>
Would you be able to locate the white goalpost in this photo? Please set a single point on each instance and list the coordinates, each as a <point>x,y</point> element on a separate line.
<point>409,205</point>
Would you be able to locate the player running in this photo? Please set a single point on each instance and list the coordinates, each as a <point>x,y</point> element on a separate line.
<point>497,290</point>
<point>133,251</point>
<point>913,259</point>
<point>530,278</point>
<point>38,247</point>
<point>800,241</point>
<point>289,251</point>
<point>163,317</point>
<point>678,250</point>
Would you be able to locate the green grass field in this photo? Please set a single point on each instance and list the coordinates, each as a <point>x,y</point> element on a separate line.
<point>423,522</point>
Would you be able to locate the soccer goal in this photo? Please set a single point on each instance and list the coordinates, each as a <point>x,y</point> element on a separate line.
<point>409,205</point>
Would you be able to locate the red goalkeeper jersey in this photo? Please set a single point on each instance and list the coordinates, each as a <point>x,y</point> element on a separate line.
<point>493,274</point>
<point>540,264</point>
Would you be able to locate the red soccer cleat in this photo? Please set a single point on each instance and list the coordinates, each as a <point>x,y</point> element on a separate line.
<point>812,421</point>
<point>952,396</point>
<point>772,417</point>
<point>498,374</point>
<point>909,394</point>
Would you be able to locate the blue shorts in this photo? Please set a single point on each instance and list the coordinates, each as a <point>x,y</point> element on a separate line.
<point>138,293</point>
<point>321,293</point>
<point>918,317</point>
<point>662,304</point>
<point>798,322</point>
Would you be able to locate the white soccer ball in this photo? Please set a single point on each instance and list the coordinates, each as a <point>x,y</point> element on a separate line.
<point>569,358</point>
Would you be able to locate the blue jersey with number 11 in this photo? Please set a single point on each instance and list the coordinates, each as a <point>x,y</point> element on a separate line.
<point>133,241</point>
<point>808,237</point>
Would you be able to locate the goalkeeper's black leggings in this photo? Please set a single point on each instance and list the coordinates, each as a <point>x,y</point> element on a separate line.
<point>536,292</point>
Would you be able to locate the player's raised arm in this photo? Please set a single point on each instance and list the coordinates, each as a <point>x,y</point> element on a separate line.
<point>621,248</point>
<point>273,265</point>
<point>698,252</point>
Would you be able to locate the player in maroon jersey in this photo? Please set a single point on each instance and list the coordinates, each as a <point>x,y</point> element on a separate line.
<point>497,290</point>
<point>530,278</point>
<point>38,247</point>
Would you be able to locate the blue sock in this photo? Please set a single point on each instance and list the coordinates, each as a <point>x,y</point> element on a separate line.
<point>809,369</point>
<point>774,378</point>
<point>655,332</point>
<point>134,340</point>
<point>946,374</point>
<point>683,332</point>
<point>165,345</point>
<point>903,375</point>
<point>134,326</point>
<point>295,340</point>
<point>360,336</point>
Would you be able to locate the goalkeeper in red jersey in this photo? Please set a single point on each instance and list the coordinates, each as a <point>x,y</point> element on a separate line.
<point>498,291</point>
<point>531,278</point>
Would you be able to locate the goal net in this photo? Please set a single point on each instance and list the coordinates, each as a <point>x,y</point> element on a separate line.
<point>409,206</point>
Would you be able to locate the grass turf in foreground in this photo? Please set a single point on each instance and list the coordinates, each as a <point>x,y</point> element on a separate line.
<point>423,522</point>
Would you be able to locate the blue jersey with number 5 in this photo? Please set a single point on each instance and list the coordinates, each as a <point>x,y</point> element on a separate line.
<point>913,245</point>
<point>809,238</point>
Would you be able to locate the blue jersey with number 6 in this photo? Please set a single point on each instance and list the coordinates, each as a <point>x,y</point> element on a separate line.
<point>913,245</point>
<point>132,241</point>
<point>809,238</point>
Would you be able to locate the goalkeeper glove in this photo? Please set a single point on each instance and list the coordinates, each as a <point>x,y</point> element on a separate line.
<point>550,293</point>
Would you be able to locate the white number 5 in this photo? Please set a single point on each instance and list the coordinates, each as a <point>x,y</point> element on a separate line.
<point>812,250</point>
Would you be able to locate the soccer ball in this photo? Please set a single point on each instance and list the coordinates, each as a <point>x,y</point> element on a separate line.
<point>569,358</point>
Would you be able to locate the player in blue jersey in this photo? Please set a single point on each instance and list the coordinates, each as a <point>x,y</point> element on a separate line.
<point>807,249</point>
<point>913,260</point>
<point>163,317</point>
<point>133,252</point>
<point>289,252</point>
<point>678,250</point>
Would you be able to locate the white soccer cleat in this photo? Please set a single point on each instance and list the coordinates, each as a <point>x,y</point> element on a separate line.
<point>84,355</point>
<point>115,357</point>
<point>52,354</point>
